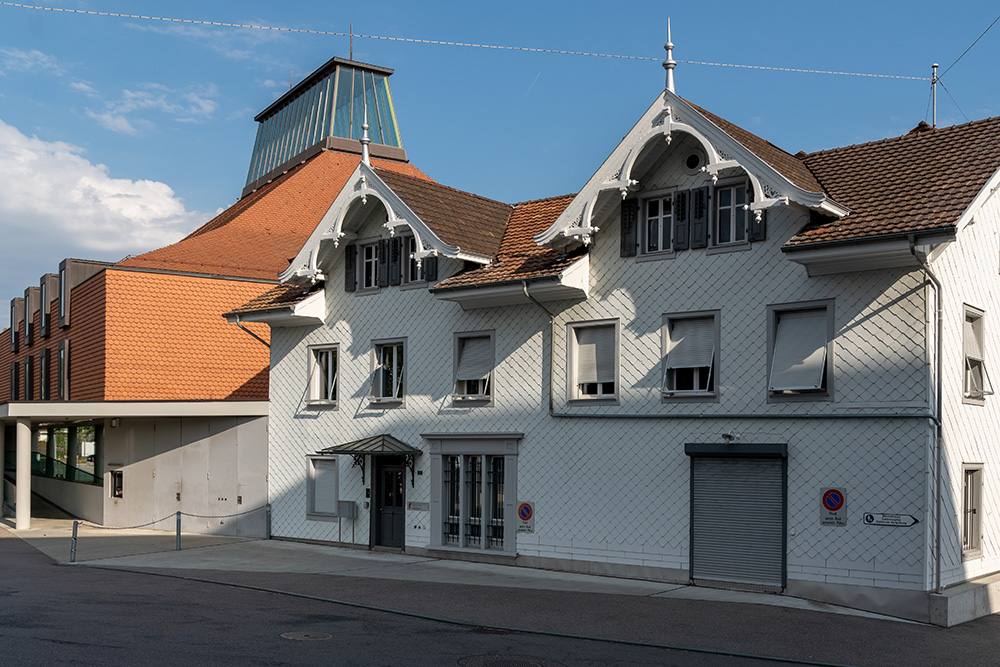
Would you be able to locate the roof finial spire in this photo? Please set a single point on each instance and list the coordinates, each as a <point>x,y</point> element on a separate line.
<point>364,138</point>
<point>669,64</point>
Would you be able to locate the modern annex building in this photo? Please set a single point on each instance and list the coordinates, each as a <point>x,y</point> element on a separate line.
<point>126,396</point>
<point>718,362</point>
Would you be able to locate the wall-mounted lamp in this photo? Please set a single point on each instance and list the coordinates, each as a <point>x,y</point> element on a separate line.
<point>116,422</point>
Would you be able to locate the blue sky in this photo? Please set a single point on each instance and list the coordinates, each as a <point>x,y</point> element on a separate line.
<point>121,135</point>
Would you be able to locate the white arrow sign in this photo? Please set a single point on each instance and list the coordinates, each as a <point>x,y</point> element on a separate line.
<point>882,519</point>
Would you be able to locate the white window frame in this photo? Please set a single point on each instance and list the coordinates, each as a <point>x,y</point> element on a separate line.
<point>394,346</point>
<point>576,390</point>
<point>974,357</point>
<point>661,197</point>
<point>670,321</point>
<point>825,391</point>
<point>461,393</point>
<point>326,468</point>
<point>318,355</point>
<point>368,266</point>
<point>734,208</point>
<point>410,272</point>
<point>972,510</point>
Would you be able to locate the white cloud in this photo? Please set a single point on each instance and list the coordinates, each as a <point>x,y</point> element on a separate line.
<point>82,87</point>
<point>16,60</point>
<point>232,43</point>
<point>55,203</point>
<point>193,104</point>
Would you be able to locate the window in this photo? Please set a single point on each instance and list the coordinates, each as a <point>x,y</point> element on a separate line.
<point>62,371</point>
<point>972,503</point>
<point>324,367</point>
<point>657,228</point>
<point>977,381</point>
<point>731,214</point>
<point>473,514</point>
<point>690,353</point>
<point>15,382</point>
<point>369,266</point>
<point>63,295</point>
<point>16,315</point>
<point>593,360</point>
<point>411,272</point>
<point>323,487</point>
<point>800,359</point>
<point>474,367</point>
<point>29,378</point>
<point>117,488</point>
<point>43,308</point>
<point>43,375</point>
<point>389,367</point>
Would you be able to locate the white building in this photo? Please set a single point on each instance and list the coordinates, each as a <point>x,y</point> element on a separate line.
<point>718,362</point>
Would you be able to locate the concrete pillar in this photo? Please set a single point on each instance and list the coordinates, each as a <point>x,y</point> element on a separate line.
<point>72,451</point>
<point>99,451</point>
<point>50,452</point>
<point>3,448</point>
<point>23,474</point>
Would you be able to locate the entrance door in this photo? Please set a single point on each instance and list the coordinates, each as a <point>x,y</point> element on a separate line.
<point>390,499</point>
<point>738,521</point>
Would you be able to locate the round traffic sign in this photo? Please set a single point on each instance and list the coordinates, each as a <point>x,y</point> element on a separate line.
<point>833,500</point>
<point>524,511</point>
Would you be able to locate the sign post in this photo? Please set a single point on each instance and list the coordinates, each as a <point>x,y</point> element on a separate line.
<point>833,503</point>
<point>526,517</point>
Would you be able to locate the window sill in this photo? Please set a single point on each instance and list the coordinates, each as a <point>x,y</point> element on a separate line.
<point>471,401</point>
<point>778,397</point>
<point>597,400</point>
<point>974,400</point>
<point>656,256</point>
<point>321,405</point>
<point>367,291</point>
<point>419,284</point>
<point>669,396</point>
<point>387,402</point>
<point>312,516</point>
<point>728,247</point>
<point>972,554</point>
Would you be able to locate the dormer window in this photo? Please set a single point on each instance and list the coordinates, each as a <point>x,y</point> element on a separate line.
<point>731,214</point>
<point>658,224</point>
<point>369,266</point>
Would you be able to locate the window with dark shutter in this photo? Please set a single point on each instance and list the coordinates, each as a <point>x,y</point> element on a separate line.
<point>681,219</point>
<point>629,217</point>
<point>350,268</point>
<point>430,266</point>
<point>699,217</point>
<point>395,260</point>
<point>383,262</point>
<point>758,229</point>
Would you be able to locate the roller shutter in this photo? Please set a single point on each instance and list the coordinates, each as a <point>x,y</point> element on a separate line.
<point>738,520</point>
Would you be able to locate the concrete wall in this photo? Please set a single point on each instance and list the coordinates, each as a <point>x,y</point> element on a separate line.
<point>85,501</point>
<point>611,490</point>
<point>212,467</point>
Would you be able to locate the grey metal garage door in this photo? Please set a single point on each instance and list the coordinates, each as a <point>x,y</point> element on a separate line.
<point>738,520</point>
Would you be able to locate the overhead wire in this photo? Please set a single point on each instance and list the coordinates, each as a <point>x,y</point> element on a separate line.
<point>970,47</point>
<point>438,42</point>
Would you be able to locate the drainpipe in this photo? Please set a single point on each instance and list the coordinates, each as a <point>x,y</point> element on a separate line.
<point>552,320</point>
<point>938,411</point>
<point>240,325</point>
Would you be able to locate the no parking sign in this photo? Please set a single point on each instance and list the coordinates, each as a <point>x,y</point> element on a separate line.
<point>526,517</point>
<point>833,512</point>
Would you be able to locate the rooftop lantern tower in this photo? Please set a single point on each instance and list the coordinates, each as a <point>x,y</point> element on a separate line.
<point>326,110</point>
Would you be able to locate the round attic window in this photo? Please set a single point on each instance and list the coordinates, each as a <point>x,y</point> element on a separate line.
<point>694,161</point>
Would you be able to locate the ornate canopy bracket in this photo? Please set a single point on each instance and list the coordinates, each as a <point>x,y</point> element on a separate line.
<point>411,465</point>
<point>359,462</point>
<point>715,167</point>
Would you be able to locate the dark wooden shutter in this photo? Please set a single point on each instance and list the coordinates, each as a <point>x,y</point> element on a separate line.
<point>383,262</point>
<point>699,217</point>
<point>758,230</point>
<point>630,216</point>
<point>430,265</point>
<point>350,268</point>
<point>681,205</point>
<point>395,260</point>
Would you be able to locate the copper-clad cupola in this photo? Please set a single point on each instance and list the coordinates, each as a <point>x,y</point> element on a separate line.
<point>326,110</point>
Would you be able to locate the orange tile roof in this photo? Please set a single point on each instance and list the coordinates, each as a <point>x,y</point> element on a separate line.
<point>166,339</point>
<point>257,236</point>
<point>519,257</point>
<point>921,181</point>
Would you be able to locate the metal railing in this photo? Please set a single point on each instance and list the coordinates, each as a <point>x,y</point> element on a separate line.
<point>44,466</point>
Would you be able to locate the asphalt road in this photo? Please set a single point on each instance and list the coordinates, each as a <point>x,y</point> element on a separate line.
<point>56,614</point>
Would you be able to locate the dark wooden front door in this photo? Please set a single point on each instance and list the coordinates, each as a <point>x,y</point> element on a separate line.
<point>390,503</point>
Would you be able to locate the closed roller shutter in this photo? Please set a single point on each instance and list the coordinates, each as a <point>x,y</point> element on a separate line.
<point>738,520</point>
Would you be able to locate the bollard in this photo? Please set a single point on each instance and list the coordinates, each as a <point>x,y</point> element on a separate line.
<point>72,544</point>
<point>267,521</point>
<point>178,531</point>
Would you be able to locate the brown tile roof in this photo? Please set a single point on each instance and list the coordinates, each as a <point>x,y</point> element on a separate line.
<point>921,181</point>
<point>519,257</point>
<point>459,218</point>
<point>789,166</point>
<point>258,235</point>
<point>285,295</point>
